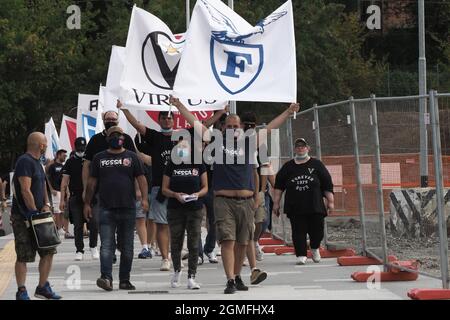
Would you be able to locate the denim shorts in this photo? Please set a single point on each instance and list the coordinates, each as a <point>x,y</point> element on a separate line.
<point>158,210</point>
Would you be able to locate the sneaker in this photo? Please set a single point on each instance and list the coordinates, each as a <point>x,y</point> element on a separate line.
<point>245,263</point>
<point>259,252</point>
<point>257,276</point>
<point>145,253</point>
<point>192,284</point>
<point>175,281</point>
<point>240,284</point>
<point>22,294</point>
<point>200,260</point>
<point>126,285</point>
<point>78,256</point>
<point>165,265</point>
<point>182,264</point>
<point>230,288</point>
<point>184,254</point>
<point>68,235</point>
<point>46,292</point>
<point>212,257</point>
<point>301,260</point>
<point>95,254</point>
<point>316,255</point>
<point>105,284</point>
<point>152,251</point>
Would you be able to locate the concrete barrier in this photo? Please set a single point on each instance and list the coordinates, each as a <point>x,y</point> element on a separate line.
<point>413,212</point>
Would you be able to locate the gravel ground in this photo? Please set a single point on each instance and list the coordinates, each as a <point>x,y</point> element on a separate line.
<point>424,250</point>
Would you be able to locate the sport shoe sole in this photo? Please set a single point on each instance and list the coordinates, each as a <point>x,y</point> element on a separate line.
<point>260,278</point>
<point>104,284</point>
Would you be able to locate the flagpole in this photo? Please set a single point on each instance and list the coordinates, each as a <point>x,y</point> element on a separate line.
<point>233,106</point>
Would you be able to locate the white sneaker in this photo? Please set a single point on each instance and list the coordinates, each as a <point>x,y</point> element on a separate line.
<point>316,255</point>
<point>165,265</point>
<point>152,251</point>
<point>212,257</point>
<point>301,260</point>
<point>259,252</point>
<point>175,281</point>
<point>78,256</point>
<point>192,284</point>
<point>95,254</point>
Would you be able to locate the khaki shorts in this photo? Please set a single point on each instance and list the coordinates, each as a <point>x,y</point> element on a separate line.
<point>235,219</point>
<point>25,243</point>
<point>260,213</point>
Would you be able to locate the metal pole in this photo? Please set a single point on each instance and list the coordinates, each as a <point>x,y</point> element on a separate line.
<point>440,210</point>
<point>362,214</point>
<point>422,102</point>
<point>380,199</point>
<point>290,137</point>
<point>233,106</point>
<point>319,156</point>
<point>188,14</point>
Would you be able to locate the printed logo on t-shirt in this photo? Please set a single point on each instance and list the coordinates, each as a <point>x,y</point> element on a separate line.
<point>108,163</point>
<point>311,170</point>
<point>302,182</point>
<point>58,169</point>
<point>185,172</point>
<point>165,156</point>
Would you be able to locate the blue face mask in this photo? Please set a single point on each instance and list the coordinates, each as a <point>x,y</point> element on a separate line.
<point>183,153</point>
<point>166,130</point>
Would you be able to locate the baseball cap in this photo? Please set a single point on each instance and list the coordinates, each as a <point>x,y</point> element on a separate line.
<point>300,141</point>
<point>80,142</point>
<point>114,129</point>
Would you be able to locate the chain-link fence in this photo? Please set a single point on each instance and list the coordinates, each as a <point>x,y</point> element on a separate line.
<point>372,149</point>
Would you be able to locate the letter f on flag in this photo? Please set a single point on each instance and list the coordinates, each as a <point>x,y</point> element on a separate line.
<point>232,63</point>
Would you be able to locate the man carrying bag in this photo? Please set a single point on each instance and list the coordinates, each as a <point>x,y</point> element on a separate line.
<point>31,206</point>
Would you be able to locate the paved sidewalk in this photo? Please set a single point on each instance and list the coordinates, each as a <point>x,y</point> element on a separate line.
<point>286,281</point>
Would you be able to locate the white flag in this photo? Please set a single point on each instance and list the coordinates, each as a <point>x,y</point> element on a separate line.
<point>227,58</point>
<point>87,115</point>
<point>52,139</point>
<point>68,133</point>
<point>151,63</point>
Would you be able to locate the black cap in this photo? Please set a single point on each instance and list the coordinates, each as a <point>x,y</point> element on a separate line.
<point>300,141</point>
<point>80,144</point>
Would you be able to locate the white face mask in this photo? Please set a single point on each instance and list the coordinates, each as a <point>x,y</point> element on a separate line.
<point>79,154</point>
<point>300,157</point>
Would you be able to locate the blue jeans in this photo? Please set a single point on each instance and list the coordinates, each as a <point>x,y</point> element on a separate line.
<point>268,203</point>
<point>210,241</point>
<point>123,220</point>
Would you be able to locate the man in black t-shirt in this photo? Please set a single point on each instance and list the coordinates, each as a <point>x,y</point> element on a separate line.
<point>30,198</point>
<point>114,172</point>
<point>54,175</point>
<point>72,179</point>
<point>160,145</point>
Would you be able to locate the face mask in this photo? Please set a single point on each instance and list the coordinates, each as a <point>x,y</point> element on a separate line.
<point>300,157</point>
<point>183,153</point>
<point>166,130</point>
<point>116,142</point>
<point>80,154</point>
<point>110,124</point>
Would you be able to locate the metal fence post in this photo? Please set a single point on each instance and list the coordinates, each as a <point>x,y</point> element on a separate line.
<point>290,137</point>
<point>358,177</point>
<point>437,154</point>
<point>380,199</point>
<point>319,156</point>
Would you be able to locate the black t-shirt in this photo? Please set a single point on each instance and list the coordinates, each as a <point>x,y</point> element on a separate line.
<point>55,175</point>
<point>98,144</point>
<point>160,147</point>
<point>115,175</point>
<point>185,178</point>
<point>148,175</point>
<point>73,168</point>
<point>305,185</point>
<point>27,166</point>
<point>232,175</point>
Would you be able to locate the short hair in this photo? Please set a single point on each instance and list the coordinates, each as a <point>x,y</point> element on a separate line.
<point>106,112</point>
<point>163,114</point>
<point>60,151</point>
<point>248,116</point>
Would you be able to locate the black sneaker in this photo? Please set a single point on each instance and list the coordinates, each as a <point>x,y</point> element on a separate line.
<point>231,287</point>
<point>126,285</point>
<point>105,284</point>
<point>240,284</point>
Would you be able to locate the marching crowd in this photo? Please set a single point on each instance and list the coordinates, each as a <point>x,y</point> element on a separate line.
<point>162,185</point>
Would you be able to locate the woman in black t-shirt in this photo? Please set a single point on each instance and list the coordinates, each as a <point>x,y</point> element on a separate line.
<point>307,183</point>
<point>184,184</point>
